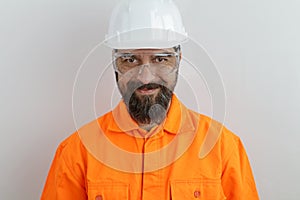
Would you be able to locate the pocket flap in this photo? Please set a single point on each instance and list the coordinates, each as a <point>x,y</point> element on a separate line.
<point>107,190</point>
<point>208,189</point>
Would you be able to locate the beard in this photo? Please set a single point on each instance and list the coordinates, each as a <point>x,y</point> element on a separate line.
<point>148,109</point>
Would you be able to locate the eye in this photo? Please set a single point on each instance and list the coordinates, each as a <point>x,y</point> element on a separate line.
<point>128,59</point>
<point>161,59</point>
<point>131,59</point>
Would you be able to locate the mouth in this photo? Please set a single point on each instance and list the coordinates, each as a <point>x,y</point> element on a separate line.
<point>148,89</point>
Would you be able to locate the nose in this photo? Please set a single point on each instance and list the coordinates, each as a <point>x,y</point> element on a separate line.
<point>145,75</point>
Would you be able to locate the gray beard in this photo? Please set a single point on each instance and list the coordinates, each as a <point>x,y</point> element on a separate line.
<point>147,109</point>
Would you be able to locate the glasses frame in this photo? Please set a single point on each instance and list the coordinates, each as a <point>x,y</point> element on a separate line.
<point>117,55</point>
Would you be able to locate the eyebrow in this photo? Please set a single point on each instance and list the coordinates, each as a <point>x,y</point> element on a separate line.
<point>168,52</point>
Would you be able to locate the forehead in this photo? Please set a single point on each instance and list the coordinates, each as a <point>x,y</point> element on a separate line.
<point>145,51</point>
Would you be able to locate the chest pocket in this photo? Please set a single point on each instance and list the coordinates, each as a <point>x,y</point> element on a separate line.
<point>204,189</point>
<point>107,191</point>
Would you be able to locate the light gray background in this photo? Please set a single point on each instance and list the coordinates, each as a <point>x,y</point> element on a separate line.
<point>254,43</point>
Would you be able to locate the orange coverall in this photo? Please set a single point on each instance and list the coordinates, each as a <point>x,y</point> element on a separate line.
<point>166,165</point>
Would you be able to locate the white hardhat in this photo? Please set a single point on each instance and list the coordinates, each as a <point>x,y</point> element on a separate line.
<point>137,24</point>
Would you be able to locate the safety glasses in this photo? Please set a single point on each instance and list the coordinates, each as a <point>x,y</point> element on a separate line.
<point>134,63</point>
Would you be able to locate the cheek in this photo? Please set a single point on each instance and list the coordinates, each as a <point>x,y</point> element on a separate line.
<point>170,80</point>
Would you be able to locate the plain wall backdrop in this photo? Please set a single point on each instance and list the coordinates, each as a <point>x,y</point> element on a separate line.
<point>254,43</point>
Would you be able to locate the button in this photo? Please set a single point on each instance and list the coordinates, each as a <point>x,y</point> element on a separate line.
<point>197,194</point>
<point>98,197</point>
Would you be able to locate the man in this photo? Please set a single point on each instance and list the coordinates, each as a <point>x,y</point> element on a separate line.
<point>150,146</point>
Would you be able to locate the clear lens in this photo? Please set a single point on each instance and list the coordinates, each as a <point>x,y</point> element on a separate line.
<point>134,64</point>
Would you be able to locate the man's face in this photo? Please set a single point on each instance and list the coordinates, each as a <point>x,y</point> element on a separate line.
<point>146,80</point>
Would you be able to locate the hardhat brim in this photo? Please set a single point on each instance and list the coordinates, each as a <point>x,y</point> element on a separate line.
<point>146,38</point>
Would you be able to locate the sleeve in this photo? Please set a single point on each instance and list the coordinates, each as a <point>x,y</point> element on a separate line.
<point>62,183</point>
<point>237,178</point>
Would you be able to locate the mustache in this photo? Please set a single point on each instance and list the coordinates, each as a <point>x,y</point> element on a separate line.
<point>149,86</point>
<point>135,85</point>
